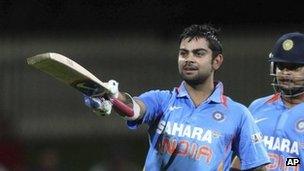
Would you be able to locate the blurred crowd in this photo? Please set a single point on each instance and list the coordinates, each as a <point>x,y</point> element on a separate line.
<point>12,150</point>
<point>14,156</point>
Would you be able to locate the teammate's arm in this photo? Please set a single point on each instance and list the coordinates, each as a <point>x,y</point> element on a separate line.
<point>236,166</point>
<point>260,168</point>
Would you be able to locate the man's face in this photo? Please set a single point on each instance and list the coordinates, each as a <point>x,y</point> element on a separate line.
<point>195,62</point>
<point>290,76</point>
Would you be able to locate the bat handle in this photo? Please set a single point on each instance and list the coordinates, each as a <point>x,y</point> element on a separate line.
<point>127,110</point>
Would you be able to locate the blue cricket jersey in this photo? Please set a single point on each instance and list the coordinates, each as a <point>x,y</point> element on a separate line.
<point>185,137</point>
<point>282,129</point>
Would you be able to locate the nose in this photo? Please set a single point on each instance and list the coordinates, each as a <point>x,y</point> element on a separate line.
<point>189,57</point>
<point>285,71</point>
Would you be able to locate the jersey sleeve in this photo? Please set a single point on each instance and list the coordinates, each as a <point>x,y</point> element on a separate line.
<point>248,143</point>
<point>254,105</point>
<point>257,103</point>
<point>154,101</point>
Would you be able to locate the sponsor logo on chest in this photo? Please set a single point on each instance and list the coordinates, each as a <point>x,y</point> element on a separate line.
<point>281,144</point>
<point>185,130</point>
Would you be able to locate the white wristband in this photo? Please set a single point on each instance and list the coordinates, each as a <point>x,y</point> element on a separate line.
<point>136,109</point>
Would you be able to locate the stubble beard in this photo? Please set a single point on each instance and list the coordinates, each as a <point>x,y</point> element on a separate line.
<point>194,80</point>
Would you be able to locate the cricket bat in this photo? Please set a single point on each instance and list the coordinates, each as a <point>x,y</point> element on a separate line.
<point>71,73</point>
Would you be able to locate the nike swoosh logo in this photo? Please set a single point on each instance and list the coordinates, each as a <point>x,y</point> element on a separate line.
<point>171,108</point>
<point>260,120</point>
<point>81,85</point>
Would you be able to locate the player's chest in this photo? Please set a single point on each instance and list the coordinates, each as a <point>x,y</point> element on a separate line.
<point>206,124</point>
<point>285,123</point>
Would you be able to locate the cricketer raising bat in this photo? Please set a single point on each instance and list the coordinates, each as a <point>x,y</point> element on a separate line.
<point>68,71</point>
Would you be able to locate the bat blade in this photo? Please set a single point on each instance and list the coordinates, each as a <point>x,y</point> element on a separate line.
<point>68,71</point>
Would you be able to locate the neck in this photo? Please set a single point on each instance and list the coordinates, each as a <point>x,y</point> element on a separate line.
<point>292,101</point>
<point>200,92</point>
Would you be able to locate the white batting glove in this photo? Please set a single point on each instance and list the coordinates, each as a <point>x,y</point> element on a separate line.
<point>100,106</point>
<point>104,109</point>
<point>113,88</point>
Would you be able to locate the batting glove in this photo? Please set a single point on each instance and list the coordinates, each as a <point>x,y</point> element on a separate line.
<point>113,88</point>
<point>100,105</point>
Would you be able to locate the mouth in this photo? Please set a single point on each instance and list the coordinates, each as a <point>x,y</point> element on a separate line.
<point>286,80</point>
<point>286,83</point>
<point>190,68</point>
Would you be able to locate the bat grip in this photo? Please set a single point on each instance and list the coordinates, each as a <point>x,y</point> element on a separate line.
<point>125,109</point>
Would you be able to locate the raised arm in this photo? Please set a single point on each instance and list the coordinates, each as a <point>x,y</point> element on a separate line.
<point>123,103</point>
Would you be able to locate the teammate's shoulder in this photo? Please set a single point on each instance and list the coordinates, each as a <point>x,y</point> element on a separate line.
<point>264,100</point>
<point>235,105</point>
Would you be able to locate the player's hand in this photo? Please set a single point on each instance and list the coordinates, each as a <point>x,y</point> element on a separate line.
<point>113,88</point>
<point>100,105</point>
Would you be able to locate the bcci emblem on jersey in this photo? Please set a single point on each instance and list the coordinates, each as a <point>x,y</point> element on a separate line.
<point>300,125</point>
<point>218,116</point>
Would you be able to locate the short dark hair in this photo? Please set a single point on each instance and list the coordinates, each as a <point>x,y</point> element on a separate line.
<point>204,31</point>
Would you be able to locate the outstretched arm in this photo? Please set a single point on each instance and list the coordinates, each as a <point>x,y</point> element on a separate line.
<point>124,104</point>
<point>127,106</point>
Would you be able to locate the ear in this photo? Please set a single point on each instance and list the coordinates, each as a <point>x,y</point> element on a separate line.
<point>217,61</point>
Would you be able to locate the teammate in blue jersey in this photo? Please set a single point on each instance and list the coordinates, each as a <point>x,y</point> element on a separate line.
<point>195,126</point>
<point>280,116</point>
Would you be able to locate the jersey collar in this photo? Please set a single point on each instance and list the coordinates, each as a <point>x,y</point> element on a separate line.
<point>216,96</point>
<point>276,98</point>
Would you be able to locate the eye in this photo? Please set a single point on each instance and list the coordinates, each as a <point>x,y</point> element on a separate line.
<point>182,53</point>
<point>199,53</point>
<point>289,66</point>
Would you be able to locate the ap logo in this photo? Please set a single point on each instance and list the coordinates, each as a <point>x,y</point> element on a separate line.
<point>292,161</point>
